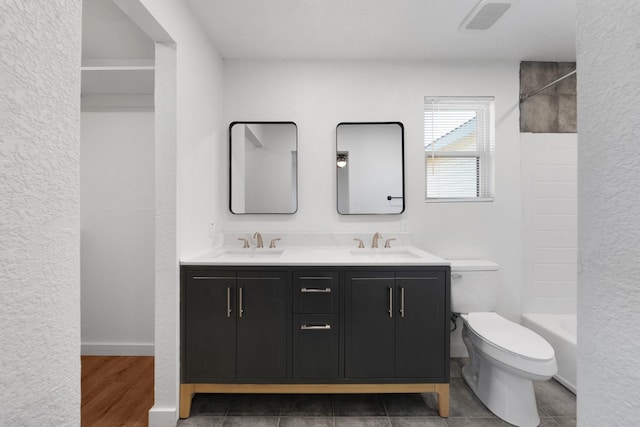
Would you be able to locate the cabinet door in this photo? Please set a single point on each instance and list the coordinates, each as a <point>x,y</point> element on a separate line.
<point>209,333</point>
<point>421,325</point>
<point>370,342</point>
<point>262,325</point>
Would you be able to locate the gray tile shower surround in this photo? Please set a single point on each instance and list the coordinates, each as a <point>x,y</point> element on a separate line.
<point>556,406</point>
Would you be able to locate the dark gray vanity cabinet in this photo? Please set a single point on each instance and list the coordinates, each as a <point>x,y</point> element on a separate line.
<point>396,324</point>
<point>311,329</point>
<point>297,325</point>
<point>234,325</point>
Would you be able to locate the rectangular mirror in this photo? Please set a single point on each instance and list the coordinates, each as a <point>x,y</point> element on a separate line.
<point>370,168</point>
<point>263,167</point>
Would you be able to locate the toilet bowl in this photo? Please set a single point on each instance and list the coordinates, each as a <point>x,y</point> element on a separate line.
<point>505,357</point>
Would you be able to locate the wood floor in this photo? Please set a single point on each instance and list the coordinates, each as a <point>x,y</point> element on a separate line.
<point>116,390</point>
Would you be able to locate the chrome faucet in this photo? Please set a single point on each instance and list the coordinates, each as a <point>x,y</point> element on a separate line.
<point>258,237</point>
<point>374,242</point>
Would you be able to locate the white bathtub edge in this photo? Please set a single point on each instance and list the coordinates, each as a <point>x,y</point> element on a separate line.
<point>564,344</point>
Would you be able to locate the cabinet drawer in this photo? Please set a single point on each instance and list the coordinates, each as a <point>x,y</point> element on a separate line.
<point>316,340</point>
<point>315,292</point>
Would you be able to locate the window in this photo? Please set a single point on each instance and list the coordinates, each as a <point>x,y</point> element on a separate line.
<point>458,148</point>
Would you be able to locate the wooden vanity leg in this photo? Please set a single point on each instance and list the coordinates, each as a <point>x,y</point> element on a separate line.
<point>443,399</point>
<point>186,394</point>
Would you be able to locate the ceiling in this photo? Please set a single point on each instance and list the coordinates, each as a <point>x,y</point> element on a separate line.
<point>540,30</point>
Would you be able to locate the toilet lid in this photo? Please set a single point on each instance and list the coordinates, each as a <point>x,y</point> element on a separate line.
<point>509,336</point>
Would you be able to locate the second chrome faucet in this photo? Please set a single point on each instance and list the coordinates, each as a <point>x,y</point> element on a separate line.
<point>376,237</point>
<point>375,241</point>
<point>258,237</point>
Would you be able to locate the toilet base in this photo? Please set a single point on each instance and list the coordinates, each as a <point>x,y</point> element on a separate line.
<point>508,397</point>
<point>503,391</point>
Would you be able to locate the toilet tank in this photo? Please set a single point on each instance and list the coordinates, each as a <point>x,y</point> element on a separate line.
<point>474,285</point>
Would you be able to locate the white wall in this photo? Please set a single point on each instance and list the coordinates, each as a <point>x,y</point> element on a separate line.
<point>608,206</point>
<point>188,156</point>
<point>550,222</point>
<point>318,95</point>
<point>39,219</point>
<point>117,222</point>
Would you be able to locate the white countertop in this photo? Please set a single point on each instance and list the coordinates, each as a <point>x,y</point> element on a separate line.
<point>317,256</point>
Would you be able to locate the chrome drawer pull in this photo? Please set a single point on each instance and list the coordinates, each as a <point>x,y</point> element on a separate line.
<point>229,302</point>
<point>324,327</point>
<point>320,290</point>
<point>240,308</point>
<point>390,302</point>
<point>401,302</point>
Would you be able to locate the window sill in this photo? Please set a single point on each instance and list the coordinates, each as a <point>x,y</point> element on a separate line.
<point>452,200</point>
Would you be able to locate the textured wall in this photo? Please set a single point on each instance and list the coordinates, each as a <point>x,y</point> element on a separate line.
<point>39,223</point>
<point>164,411</point>
<point>554,109</point>
<point>608,220</point>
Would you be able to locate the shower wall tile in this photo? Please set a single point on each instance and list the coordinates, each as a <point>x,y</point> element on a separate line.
<point>534,75</point>
<point>554,109</point>
<point>567,113</point>
<point>568,85</point>
<point>550,222</point>
<point>539,114</point>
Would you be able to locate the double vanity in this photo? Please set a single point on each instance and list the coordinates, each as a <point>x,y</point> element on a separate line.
<point>328,318</point>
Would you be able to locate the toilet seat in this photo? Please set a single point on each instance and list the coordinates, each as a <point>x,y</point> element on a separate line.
<point>509,336</point>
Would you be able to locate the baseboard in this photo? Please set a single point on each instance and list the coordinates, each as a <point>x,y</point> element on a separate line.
<point>163,417</point>
<point>111,349</point>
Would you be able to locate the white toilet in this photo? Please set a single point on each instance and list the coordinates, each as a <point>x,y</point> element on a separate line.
<point>505,357</point>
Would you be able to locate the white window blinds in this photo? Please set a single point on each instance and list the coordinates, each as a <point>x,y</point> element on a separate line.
<point>459,148</point>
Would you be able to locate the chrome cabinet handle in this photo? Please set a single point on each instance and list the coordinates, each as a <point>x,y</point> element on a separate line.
<point>324,327</point>
<point>390,302</point>
<point>310,290</point>
<point>401,302</point>
<point>240,308</point>
<point>229,302</point>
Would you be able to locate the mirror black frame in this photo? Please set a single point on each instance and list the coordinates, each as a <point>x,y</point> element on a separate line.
<point>230,158</point>
<point>390,196</point>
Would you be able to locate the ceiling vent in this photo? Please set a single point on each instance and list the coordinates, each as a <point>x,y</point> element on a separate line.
<point>485,14</point>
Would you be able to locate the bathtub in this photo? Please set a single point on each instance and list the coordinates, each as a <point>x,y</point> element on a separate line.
<point>560,330</point>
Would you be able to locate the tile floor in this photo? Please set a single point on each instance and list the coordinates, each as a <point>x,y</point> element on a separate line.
<point>556,406</point>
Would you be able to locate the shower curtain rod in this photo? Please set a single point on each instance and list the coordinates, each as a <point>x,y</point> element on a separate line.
<point>537,91</point>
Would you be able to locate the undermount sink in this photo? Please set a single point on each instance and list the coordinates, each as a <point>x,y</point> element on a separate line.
<point>250,253</point>
<point>385,253</point>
